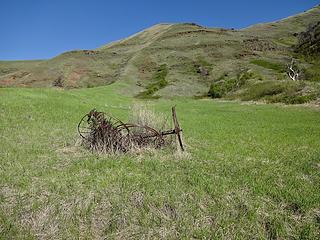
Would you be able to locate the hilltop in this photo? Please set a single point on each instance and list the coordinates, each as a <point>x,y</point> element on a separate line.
<point>186,60</point>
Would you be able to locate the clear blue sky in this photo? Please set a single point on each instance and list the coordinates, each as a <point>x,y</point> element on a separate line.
<point>38,29</point>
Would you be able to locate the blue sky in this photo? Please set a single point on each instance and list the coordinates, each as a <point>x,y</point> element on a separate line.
<point>40,29</point>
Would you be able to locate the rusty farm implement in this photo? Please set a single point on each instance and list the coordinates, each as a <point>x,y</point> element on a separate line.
<point>105,133</point>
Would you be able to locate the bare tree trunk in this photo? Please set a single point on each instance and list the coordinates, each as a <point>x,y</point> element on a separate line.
<point>293,71</point>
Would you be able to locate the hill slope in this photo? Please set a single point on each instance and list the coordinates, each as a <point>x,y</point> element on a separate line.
<point>182,59</point>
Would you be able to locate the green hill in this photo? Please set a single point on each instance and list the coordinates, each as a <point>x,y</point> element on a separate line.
<point>246,64</point>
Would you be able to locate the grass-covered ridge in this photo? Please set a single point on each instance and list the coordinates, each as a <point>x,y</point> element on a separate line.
<point>195,56</point>
<point>250,171</point>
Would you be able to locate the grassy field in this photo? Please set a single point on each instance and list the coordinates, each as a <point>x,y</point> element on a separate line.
<point>250,171</point>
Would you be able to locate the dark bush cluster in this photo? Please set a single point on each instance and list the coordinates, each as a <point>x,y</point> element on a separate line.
<point>292,98</point>
<point>58,82</point>
<point>274,91</point>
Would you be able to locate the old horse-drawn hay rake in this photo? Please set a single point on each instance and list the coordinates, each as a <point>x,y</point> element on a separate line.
<point>102,132</point>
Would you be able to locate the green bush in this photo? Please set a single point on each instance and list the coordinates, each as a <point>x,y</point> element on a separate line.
<point>263,89</point>
<point>288,92</point>
<point>292,99</point>
<point>312,73</point>
<point>225,85</point>
<point>216,90</point>
<point>273,92</point>
<point>159,81</point>
<point>58,82</point>
<point>243,76</point>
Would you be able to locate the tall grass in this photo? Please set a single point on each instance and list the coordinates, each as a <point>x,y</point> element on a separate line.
<point>142,114</point>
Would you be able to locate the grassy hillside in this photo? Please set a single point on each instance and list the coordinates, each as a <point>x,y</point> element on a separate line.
<point>198,59</point>
<point>250,171</point>
<point>12,71</point>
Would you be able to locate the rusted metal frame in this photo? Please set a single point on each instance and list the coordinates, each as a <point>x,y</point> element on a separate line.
<point>99,118</point>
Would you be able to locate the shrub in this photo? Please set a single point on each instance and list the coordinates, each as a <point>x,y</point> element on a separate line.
<point>216,90</point>
<point>243,76</point>
<point>58,82</point>
<point>285,92</point>
<point>309,42</point>
<point>262,89</point>
<point>293,99</point>
<point>225,85</point>
<point>312,73</point>
<point>159,81</point>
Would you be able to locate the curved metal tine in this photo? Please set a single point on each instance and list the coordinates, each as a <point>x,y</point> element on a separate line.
<point>109,120</point>
<point>116,121</point>
<point>117,124</point>
<point>154,131</point>
<point>129,125</point>
<point>85,134</point>
<point>120,123</point>
<point>131,128</point>
<point>122,127</point>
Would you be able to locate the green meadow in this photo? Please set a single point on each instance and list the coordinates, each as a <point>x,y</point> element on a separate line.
<point>250,171</point>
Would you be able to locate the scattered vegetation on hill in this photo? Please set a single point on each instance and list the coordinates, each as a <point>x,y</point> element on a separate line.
<point>158,82</point>
<point>312,72</point>
<point>58,82</point>
<point>279,67</point>
<point>308,49</point>
<point>226,84</point>
<point>309,42</point>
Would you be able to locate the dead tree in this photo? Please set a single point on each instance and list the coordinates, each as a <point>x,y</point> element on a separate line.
<point>293,71</point>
